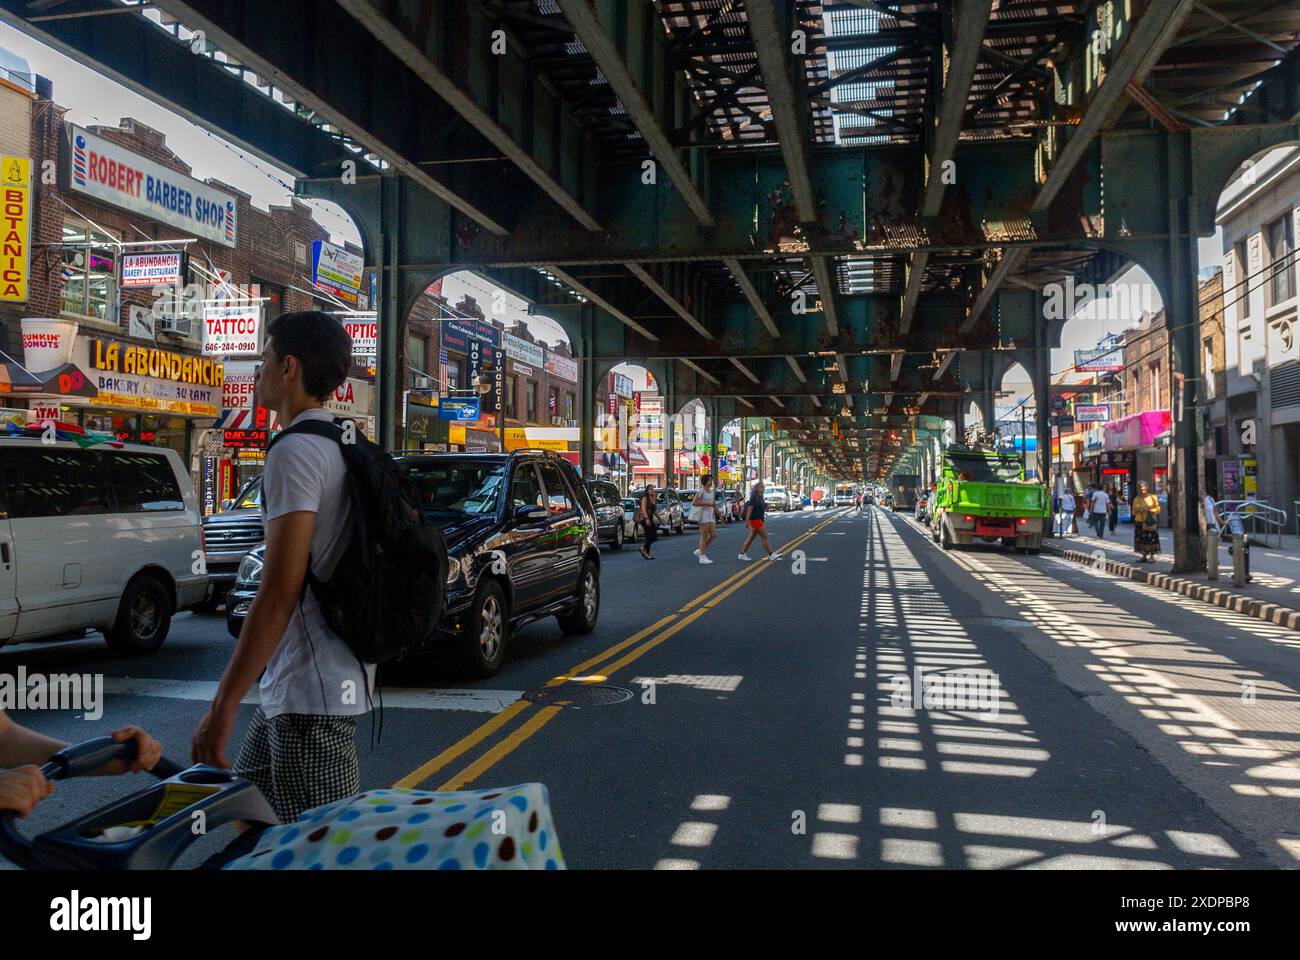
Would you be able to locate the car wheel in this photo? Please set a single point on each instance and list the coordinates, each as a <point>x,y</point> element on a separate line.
<point>486,630</point>
<point>945,537</point>
<point>681,527</point>
<point>618,538</point>
<point>143,617</point>
<point>586,608</point>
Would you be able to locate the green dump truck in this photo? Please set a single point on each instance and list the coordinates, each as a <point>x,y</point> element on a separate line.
<point>983,496</point>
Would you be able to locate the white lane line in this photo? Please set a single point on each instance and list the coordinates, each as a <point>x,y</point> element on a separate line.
<point>400,698</point>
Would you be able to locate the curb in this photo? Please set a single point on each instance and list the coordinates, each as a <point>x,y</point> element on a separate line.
<point>1238,603</point>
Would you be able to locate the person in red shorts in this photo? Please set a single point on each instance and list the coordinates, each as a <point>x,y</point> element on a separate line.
<point>754,509</point>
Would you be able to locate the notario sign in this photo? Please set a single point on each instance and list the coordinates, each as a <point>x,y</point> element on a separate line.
<point>103,170</point>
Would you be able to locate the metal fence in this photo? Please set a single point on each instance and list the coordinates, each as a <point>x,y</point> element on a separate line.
<point>1260,520</point>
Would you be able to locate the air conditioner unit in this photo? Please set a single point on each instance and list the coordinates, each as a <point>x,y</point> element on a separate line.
<point>177,326</point>
<point>424,383</point>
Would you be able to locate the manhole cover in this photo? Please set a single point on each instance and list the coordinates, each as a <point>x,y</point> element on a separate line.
<point>579,695</point>
<point>1004,623</point>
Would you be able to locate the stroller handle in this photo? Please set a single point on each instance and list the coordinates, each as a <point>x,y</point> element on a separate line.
<point>78,760</point>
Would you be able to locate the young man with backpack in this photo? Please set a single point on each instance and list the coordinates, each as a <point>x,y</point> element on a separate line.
<point>300,749</point>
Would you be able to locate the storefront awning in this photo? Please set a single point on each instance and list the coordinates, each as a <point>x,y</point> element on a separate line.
<point>1138,431</point>
<point>64,381</point>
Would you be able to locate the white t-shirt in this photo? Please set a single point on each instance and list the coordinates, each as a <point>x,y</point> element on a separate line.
<point>1100,501</point>
<point>1067,503</point>
<point>312,671</point>
<point>1211,518</point>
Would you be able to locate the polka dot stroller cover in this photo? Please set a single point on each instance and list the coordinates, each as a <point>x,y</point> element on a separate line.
<point>503,829</point>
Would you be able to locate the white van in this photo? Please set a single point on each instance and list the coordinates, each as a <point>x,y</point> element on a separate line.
<point>107,537</point>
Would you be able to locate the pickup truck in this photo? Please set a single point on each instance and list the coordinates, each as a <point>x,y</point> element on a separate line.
<point>983,496</point>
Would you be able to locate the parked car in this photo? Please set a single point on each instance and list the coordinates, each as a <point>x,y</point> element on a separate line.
<point>686,496</point>
<point>228,536</point>
<point>608,505</point>
<point>669,510</point>
<point>103,538</point>
<point>724,506</point>
<point>776,498</point>
<point>630,529</point>
<point>520,530</point>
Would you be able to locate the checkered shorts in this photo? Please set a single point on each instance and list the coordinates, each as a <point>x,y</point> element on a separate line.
<point>300,761</point>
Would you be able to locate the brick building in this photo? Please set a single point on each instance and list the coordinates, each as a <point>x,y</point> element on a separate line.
<point>246,258</point>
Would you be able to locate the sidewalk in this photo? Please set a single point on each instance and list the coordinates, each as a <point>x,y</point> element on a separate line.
<point>1273,593</point>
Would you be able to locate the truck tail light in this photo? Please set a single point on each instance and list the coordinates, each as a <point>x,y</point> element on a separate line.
<point>968,518</point>
<point>1023,521</point>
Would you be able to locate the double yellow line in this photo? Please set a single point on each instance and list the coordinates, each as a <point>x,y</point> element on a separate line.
<point>641,643</point>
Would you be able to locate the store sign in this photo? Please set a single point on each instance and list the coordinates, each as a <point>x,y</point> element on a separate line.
<point>460,410</point>
<point>150,269</point>
<point>365,337</point>
<point>1101,360</point>
<point>239,384</point>
<point>241,439</point>
<point>149,379</point>
<point>232,330</point>
<point>1092,412</point>
<point>563,367</point>
<point>336,270</point>
<point>101,169</point>
<point>351,398</point>
<point>457,333</point>
<point>140,322</point>
<point>47,343</point>
<point>16,249</point>
<point>518,348</point>
<point>621,384</point>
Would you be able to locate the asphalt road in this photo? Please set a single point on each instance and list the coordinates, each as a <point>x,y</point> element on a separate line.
<point>762,722</point>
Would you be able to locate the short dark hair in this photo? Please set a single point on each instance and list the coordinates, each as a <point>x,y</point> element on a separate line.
<point>320,343</point>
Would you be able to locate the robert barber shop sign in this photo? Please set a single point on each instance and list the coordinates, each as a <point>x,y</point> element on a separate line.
<point>110,173</point>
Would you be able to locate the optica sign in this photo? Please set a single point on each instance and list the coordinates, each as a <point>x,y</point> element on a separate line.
<point>365,337</point>
<point>103,170</point>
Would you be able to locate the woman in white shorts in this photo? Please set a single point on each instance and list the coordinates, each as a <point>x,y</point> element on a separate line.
<point>704,500</point>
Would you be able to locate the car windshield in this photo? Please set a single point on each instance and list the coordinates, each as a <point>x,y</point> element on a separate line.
<point>455,488</point>
<point>250,498</point>
<point>629,503</point>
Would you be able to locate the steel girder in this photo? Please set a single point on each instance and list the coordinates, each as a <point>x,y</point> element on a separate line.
<point>143,57</point>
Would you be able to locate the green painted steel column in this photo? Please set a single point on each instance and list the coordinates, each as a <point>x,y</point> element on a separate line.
<point>390,378</point>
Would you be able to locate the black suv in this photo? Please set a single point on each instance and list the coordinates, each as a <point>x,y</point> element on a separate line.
<point>521,542</point>
<point>608,501</point>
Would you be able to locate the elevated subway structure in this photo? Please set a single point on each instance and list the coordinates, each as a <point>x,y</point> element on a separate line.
<point>838,217</point>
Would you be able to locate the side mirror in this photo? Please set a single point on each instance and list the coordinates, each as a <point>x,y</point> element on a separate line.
<point>529,513</point>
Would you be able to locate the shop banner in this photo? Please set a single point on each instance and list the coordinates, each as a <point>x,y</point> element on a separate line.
<point>1137,431</point>
<point>365,337</point>
<point>562,367</point>
<point>101,169</point>
<point>520,349</point>
<point>336,270</point>
<point>151,269</point>
<point>147,379</point>
<point>1092,412</point>
<point>16,251</point>
<point>232,330</point>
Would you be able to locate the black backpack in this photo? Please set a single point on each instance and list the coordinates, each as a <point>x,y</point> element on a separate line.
<point>386,594</point>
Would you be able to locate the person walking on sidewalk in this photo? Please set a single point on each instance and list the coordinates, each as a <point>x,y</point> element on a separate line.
<point>1065,515</point>
<point>1112,506</point>
<point>1146,524</point>
<point>1100,507</point>
<point>708,524</point>
<point>645,515</point>
<point>754,510</point>
<point>301,747</point>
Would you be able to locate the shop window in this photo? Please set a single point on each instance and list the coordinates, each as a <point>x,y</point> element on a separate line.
<point>414,359</point>
<point>54,483</point>
<point>568,406</point>
<point>530,396</point>
<point>511,410</point>
<point>1281,244</point>
<point>1207,366</point>
<point>144,483</point>
<point>89,272</point>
